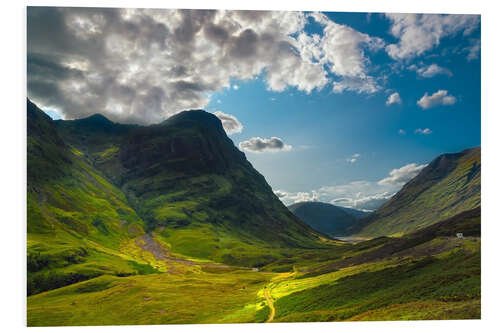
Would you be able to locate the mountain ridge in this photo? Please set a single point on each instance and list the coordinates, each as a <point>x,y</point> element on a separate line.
<point>184,176</point>
<point>448,185</point>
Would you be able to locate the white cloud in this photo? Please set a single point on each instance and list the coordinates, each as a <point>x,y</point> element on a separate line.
<point>296,197</point>
<point>353,158</point>
<point>440,97</point>
<point>260,145</point>
<point>418,33</point>
<point>433,70</point>
<point>236,87</point>
<point>230,123</point>
<point>393,98</point>
<point>343,50</point>
<point>144,65</point>
<point>402,175</point>
<point>473,50</point>
<point>362,195</point>
<point>402,131</point>
<point>280,193</point>
<point>367,203</point>
<point>424,131</point>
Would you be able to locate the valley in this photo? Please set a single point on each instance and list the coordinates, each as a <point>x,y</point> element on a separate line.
<point>170,224</point>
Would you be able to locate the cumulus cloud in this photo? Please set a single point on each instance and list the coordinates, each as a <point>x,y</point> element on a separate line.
<point>144,65</point>
<point>343,50</point>
<point>424,131</point>
<point>394,98</point>
<point>365,203</point>
<point>418,33</point>
<point>230,123</point>
<point>402,175</point>
<point>290,198</point>
<point>440,97</point>
<point>362,195</point>
<point>260,145</point>
<point>402,131</point>
<point>433,70</point>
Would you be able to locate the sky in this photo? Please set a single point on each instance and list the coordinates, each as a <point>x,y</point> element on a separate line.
<point>336,107</point>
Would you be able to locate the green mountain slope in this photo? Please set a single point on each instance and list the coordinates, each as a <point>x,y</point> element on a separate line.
<point>326,218</point>
<point>192,187</point>
<point>450,184</point>
<point>77,220</point>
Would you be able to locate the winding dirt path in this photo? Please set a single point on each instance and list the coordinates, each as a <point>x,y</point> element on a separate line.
<point>148,243</point>
<point>271,306</point>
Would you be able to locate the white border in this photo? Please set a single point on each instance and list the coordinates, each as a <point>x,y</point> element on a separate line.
<point>13,134</point>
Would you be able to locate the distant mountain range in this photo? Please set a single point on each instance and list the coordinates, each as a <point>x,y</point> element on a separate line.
<point>326,218</point>
<point>449,185</point>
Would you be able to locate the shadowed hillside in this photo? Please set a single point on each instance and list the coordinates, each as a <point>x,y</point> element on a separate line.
<point>326,218</point>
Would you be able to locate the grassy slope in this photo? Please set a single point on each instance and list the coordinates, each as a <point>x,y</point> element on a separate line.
<point>447,186</point>
<point>425,275</point>
<point>77,220</point>
<point>198,297</point>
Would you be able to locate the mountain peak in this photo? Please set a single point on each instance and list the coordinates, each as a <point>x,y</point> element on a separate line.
<point>96,118</point>
<point>199,117</point>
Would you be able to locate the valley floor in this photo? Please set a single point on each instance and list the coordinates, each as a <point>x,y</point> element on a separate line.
<point>436,279</point>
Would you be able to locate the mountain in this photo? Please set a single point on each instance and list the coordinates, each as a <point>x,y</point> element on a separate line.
<point>449,185</point>
<point>326,218</point>
<point>149,222</point>
<point>354,212</point>
<point>77,221</point>
<point>192,187</point>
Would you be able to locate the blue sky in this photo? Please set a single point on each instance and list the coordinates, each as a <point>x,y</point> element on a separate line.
<point>326,129</point>
<point>336,107</point>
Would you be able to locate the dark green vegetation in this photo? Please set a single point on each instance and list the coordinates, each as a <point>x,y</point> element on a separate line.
<point>326,218</point>
<point>450,184</point>
<point>168,224</point>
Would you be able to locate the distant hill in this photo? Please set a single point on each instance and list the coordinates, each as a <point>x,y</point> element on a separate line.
<point>449,185</point>
<point>326,218</point>
<point>355,212</point>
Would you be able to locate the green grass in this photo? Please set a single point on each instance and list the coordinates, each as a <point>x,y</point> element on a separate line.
<point>423,202</point>
<point>156,298</point>
<point>349,293</point>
